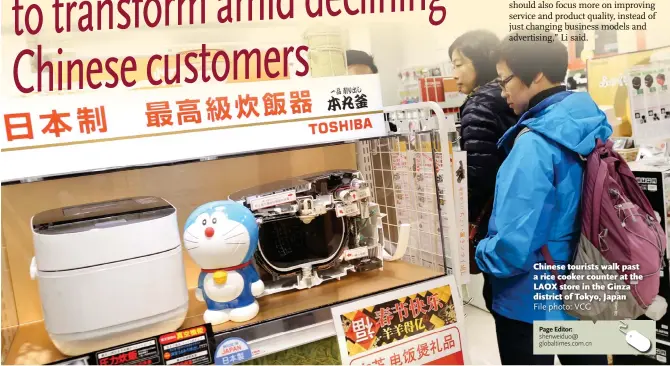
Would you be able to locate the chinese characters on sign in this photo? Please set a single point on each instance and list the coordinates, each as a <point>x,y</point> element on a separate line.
<point>22,126</point>
<point>347,99</point>
<point>140,353</point>
<point>123,358</point>
<point>188,346</point>
<point>416,325</point>
<point>461,189</point>
<point>92,120</point>
<point>442,347</point>
<point>218,109</point>
<point>47,135</point>
<point>412,355</point>
<point>398,319</point>
<point>185,334</point>
<point>232,351</point>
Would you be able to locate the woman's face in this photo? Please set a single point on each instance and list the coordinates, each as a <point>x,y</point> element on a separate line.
<point>464,72</point>
<point>515,92</point>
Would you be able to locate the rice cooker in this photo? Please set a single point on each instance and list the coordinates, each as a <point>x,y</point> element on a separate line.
<point>109,273</point>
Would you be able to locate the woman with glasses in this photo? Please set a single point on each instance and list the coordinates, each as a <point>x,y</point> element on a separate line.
<point>537,195</point>
<point>485,117</point>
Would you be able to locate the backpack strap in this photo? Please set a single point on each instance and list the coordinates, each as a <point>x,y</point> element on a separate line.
<point>523,130</point>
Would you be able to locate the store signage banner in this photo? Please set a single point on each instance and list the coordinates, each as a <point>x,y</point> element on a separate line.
<point>649,97</point>
<point>425,327</point>
<point>461,204</point>
<point>607,83</point>
<point>55,135</point>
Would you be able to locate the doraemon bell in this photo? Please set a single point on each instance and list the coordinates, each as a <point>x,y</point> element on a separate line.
<point>222,237</point>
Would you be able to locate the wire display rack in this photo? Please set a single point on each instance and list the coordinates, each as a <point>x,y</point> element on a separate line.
<point>413,185</point>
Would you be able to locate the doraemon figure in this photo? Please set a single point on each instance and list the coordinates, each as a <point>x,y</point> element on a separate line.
<point>222,237</point>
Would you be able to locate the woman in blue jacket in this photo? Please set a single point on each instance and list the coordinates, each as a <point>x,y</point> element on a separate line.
<point>538,192</point>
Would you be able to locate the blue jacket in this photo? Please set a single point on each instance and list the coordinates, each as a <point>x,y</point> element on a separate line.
<point>537,201</point>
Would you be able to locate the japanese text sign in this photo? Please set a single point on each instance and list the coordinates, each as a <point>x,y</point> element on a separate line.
<point>417,325</point>
<point>55,135</point>
<point>461,198</point>
<point>192,346</point>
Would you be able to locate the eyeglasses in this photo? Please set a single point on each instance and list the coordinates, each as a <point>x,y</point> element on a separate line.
<point>503,83</point>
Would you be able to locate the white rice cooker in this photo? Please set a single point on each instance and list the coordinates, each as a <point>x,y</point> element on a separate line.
<point>109,273</point>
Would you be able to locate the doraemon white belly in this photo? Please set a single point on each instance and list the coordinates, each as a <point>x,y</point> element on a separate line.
<point>221,238</point>
<point>226,292</point>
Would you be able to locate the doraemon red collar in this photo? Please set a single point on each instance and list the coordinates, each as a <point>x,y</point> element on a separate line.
<point>228,269</point>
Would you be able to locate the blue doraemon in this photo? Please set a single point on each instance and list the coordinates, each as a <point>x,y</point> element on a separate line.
<point>222,237</point>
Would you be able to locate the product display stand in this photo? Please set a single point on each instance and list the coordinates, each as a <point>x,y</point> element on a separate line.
<point>411,172</point>
<point>267,333</point>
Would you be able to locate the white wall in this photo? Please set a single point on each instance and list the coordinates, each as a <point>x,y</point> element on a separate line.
<point>388,53</point>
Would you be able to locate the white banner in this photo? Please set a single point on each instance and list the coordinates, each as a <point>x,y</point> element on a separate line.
<point>56,135</point>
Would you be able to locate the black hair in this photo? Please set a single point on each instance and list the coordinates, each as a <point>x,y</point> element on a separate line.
<point>478,46</point>
<point>355,57</point>
<point>527,56</point>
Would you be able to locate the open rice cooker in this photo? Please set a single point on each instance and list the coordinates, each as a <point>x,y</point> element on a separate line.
<point>314,228</point>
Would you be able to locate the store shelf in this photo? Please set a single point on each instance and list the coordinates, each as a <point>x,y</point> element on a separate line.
<point>285,333</point>
<point>302,314</point>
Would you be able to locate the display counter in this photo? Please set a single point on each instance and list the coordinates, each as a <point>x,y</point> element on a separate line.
<point>32,345</point>
<point>394,193</point>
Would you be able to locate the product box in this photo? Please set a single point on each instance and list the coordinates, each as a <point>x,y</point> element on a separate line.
<point>660,358</point>
<point>452,96</point>
<point>663,325</point>
<point>662,352</point>
<point>432,89</point>
<point>655,182</point>
<point>449,85</point>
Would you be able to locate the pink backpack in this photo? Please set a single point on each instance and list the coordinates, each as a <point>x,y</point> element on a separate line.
<point>620,237</point>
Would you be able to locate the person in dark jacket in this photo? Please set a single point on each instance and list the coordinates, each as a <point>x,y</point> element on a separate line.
<point>485,116</point>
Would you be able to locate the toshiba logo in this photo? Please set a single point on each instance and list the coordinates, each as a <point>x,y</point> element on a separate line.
<point>340,126</point>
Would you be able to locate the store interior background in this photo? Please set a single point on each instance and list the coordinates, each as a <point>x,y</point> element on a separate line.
<point>397,42</point>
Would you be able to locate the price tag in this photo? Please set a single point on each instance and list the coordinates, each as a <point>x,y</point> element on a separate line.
<point>272,200</point>
<point>347,210</point>
<point>356,253</point>
<point>364,193</point>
